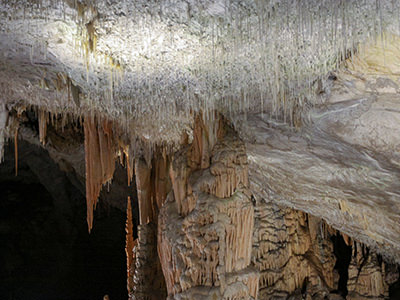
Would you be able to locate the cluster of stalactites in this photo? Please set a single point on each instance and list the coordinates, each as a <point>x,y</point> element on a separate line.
<point>152,185</point>
<point>256,55</point>
<point>100,154</point>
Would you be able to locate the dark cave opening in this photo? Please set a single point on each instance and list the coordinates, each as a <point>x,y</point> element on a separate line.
<point>45,247</point>
<point>343,257</point>
<point>394,289</point>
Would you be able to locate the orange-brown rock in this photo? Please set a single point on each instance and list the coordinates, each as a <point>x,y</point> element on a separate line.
<point>100,160</point>
<point>130,248</point>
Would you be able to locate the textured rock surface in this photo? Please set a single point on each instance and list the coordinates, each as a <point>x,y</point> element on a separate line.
<point>299,256</point>
<point>353,189</point>
<point>205,250</point>
<point>148,281</point>
<point>293,251</point>
<point>369,276</point>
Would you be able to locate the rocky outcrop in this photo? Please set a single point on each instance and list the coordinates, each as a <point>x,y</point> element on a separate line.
<point>350,187</point>
<point>299,256</point>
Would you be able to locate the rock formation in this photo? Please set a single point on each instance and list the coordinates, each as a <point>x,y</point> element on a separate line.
<point>203,240</point>
<point>260,139</point>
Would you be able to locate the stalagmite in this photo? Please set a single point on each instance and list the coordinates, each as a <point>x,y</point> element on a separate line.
<point>100,160</point>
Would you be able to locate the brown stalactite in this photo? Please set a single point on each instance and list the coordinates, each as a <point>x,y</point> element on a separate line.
<point>129,248</point>
<point>199,154</point>
<point>129,168</point>
<point>196,156</point>
<point>99,159</point>
<point>152,184</point>
<point>43,119</point>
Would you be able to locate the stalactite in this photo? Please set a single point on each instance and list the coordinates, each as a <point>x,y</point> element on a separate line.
<point>129,168</point>
<point>16,150</point>
<point>130,248</point>
<point>43,119</point>
<point>3,124</point>
<point>160,175</point>
<point>99,159</point>
<point>143,185</point>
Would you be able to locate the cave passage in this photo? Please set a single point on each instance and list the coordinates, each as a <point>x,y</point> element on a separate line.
<point>46,251</point>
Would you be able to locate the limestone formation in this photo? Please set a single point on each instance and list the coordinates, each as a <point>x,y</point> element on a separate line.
<point>205,248</point>
<point>148,281</point>
<point>369,276</point>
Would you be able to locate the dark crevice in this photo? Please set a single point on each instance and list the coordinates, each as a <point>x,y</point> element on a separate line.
<point>343,257</point>
<point>394,289</point>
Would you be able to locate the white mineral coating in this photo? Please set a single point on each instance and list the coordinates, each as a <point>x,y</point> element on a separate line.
<point>162,58</point>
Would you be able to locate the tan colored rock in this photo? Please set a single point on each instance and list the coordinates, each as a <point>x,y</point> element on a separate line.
<point>204,226</point>
<point>179,174</point>
<point>367,275</point>
<point>290,252</point>
<point>144,191</point>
